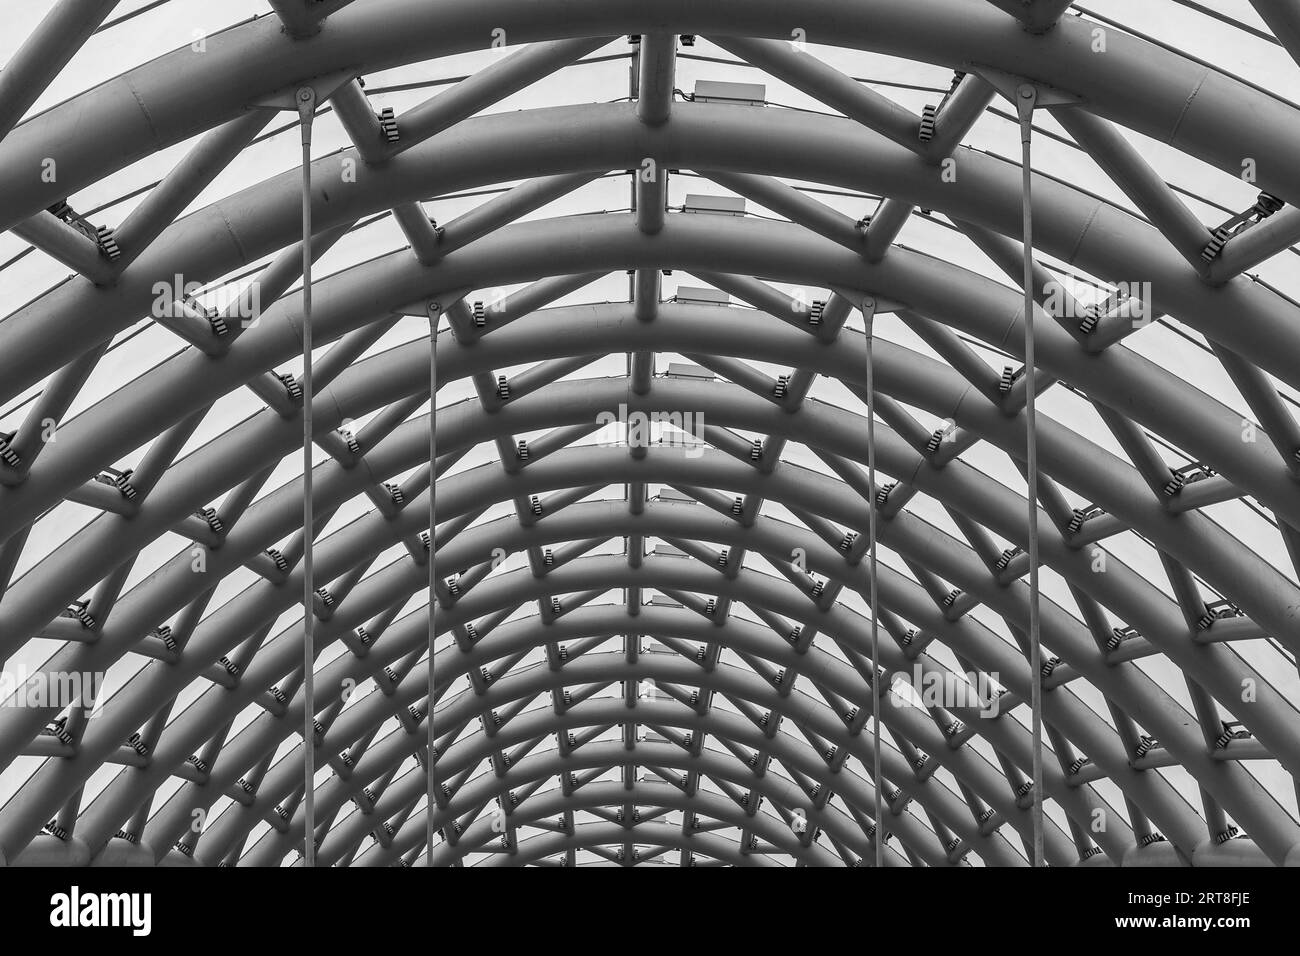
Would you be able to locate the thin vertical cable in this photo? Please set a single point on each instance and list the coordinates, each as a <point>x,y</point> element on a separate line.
<point>434,312</point>
<point>307,112</point>
<point>869,314</point>
<point>1026,101</point>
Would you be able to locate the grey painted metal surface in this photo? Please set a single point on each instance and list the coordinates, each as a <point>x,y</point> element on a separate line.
<point>778,682</point>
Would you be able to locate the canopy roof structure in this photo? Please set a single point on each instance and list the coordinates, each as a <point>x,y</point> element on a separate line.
<point>698,271</point>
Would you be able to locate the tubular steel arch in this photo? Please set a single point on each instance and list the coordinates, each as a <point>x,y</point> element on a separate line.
<point>504,674</point>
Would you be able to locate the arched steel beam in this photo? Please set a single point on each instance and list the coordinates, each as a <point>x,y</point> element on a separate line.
<point>1078,463</point>
<point>693,586</point>
<point>570,627</point>
<point>755,640</point>
<point>197,721</point>
<point>543,803</point>
<point>794,752</point>
<point>1191,746</point>
<point>471,750</point>
<point>521,634</point>
<point>1118,378</point>
<point>656,794</point>
<point>328,679</point>
<point>52,852</point>
<point>1076,227</point>
<point>839,364</point>
<point>1228,686</point>
<point>537,768</point>
<point>462,558</point>
<point>1069,457</point>
<point>646,793</point>
<point>174,97</point>
<point>658,834</point>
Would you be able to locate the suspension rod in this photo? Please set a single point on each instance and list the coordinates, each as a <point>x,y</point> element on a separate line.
<point>434,312</point>
<point>307,112</point>
<point>869,314</point>
<point>1026,99</point>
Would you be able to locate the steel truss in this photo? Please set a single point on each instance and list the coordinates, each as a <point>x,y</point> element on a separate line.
<point>493,771</point>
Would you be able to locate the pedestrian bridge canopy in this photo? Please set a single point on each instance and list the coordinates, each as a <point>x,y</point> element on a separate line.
<point>752,331</point>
